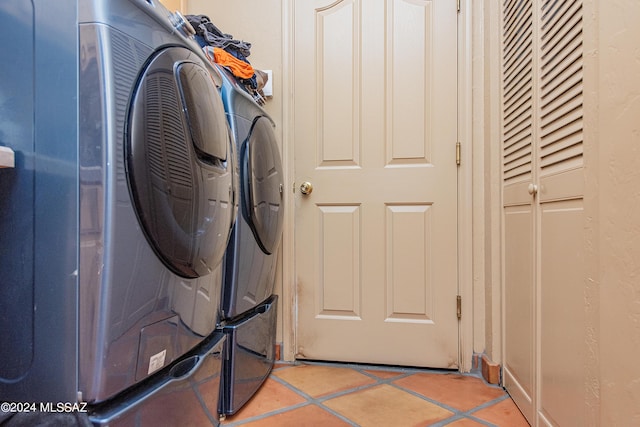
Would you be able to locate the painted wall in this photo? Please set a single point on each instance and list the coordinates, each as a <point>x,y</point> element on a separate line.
<point>174,5</point>
<point>485,18</point>
<point>616,230</point>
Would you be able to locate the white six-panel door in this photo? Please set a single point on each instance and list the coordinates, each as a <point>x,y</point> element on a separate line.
<point>375,130</point>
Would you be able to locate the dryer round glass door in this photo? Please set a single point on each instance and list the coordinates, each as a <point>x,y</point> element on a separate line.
<point>179,165</point>
<point>262,178</point>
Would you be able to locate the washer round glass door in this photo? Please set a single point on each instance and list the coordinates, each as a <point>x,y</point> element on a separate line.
<point>179,165</point>
<point>263,184</point>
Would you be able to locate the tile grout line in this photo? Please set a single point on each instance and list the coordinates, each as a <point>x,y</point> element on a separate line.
<point>319,401</point>
<point>326,397</point>
<point>428,399</point>
<point>468,414</point>
<point>457,413</point>
<point>337,414</point>
<point>459,417</point>
<point>402,373</point>
<point>309,400</point>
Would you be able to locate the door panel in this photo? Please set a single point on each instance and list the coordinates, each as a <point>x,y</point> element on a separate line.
<point>409,286</point>
<point>519,306</point>
<point>562,314</point>
<point>375,124</point>
<point>339,274</point>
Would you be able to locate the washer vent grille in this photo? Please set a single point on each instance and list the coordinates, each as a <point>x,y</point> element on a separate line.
<point>166,131</point>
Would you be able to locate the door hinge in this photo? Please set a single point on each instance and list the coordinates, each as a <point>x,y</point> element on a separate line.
<point>459,306</point>
<point>458,153</point>
<point>458,5</point>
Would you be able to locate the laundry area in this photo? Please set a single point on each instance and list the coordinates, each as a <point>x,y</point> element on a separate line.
<point>319,213</point>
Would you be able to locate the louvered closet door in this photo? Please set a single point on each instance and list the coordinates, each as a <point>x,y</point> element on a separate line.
<point>545,338</point>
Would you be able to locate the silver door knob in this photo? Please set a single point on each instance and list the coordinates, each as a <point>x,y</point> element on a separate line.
<point>306,188</point>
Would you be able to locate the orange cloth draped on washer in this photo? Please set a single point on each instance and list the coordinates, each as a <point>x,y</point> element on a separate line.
<point>239,68</point>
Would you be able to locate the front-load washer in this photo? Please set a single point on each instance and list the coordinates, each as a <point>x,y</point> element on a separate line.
<point>156,183</point>
<point>248,306</point>
<point>118,211</point>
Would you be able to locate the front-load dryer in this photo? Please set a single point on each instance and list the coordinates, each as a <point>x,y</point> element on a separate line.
<point>117,213</point>
<point>248,306</point>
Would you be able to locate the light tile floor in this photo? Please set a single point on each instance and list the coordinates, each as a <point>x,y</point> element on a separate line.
<point>327,395</point>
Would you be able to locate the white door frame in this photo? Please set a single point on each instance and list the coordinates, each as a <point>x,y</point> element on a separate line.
<point>465,215</point>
